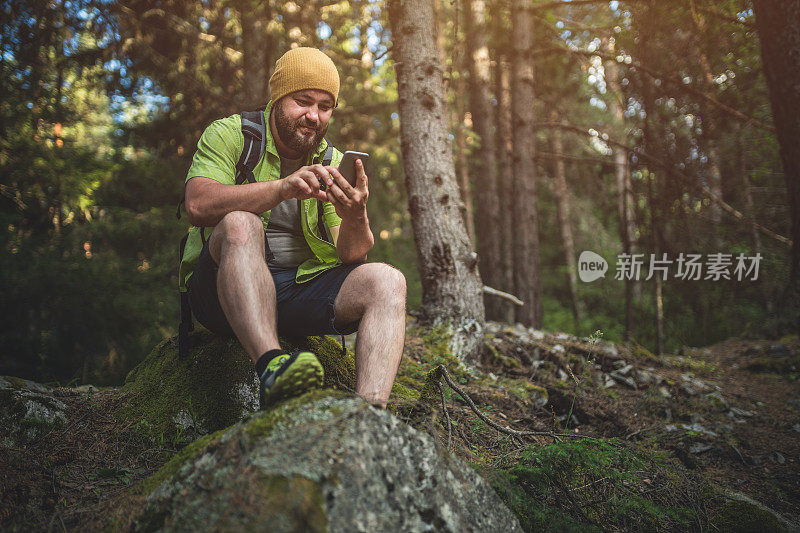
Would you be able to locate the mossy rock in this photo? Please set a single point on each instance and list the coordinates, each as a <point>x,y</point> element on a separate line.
<point>324,461</point>
<point>28,410</point>
<point>176,400</point>
<point>737,516</point>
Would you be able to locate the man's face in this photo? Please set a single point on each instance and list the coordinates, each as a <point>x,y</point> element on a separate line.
<point>301,119</point>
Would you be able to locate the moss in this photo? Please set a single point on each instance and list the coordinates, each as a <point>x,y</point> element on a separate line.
<point>17,383</point>
<point>212,388</point>
<point>592,485</point>
<point>524,390</point>
<point>639,351</point>
<point>498,359</point>
<point>261,424</point>
<point>340,371</point>
<point>436,341</point>
<point>429,392</point>
<point>207,387</point>
<point>775,365</point>
<point>743,517</point>
<point>293,501</point>
<point>690,364</point>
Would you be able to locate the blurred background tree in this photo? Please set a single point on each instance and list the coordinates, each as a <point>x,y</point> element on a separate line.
<point>649,130</point>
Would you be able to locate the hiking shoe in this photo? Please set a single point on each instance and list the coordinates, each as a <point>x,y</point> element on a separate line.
<point>291,375</point>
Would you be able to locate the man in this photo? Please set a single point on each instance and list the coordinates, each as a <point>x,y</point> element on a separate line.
<point>307,286</point>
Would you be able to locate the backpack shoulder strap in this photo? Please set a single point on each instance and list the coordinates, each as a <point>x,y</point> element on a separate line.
<point>328,157</point>
<point>254,130</point>
<point>326,160</point>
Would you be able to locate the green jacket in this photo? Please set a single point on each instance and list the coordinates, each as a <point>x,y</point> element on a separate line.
<point>218,151</point>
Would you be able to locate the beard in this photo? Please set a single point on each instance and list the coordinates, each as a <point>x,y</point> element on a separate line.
<point>295,138</point>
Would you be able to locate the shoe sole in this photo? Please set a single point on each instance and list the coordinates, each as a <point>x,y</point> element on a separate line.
<point>304,374</point>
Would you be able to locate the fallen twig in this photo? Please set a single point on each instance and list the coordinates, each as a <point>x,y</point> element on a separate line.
<point>508,431</point>
<point>507,296</point>
<point>446,414</point>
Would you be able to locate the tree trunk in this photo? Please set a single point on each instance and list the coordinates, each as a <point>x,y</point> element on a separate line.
<point>778,24</point>
<point>526,219</point>
<point>710,128</point>
<point>483,159</point>
<point>452,290</point>
<point>257,45</point>
<point>624,187</point>
<point>504,181</point>
<point>747,186</point>
<point>652,148</point>
<point>563,211</point>
<point>464,186</point>
<point>457,123</point>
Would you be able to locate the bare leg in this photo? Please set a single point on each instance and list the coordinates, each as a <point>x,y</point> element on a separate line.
<point>375,293</point>
<point>244,283</point>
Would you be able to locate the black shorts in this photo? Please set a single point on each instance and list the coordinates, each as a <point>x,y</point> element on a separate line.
<point>303,309</point>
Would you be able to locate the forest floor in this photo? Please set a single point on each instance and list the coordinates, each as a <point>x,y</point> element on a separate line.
<point>668,430</point>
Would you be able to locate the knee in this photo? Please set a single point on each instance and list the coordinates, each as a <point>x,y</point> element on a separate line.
<point>387,285</point>
<point>239,228</point>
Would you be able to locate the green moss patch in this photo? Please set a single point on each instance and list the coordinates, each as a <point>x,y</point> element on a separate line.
<point>174,400</point>
<point>744,517</point>
<point>210,389</point>
<point>593,485</point>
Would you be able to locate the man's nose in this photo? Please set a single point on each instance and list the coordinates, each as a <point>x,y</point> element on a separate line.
<point>313,113</point>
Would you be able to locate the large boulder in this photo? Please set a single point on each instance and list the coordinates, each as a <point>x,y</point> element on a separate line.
<point>28,410</point>
<point>321,462</point>
<point>178,399</point>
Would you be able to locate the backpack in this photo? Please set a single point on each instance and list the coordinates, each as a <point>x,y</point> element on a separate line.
<point>254,130</point>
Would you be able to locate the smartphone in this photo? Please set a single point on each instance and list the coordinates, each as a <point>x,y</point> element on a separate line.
<point>348,165</point>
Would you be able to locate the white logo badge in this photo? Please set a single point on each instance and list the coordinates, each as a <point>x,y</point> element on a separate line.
<point>591,266</point>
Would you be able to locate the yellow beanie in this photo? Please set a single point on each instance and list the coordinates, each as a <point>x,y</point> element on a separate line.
<point>304,68</point>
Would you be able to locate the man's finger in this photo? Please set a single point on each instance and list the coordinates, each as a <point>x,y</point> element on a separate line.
<point>321,173</point>
<point>341,181</point>
<point>300,185</point>
<point>310,178</point>
<point>338,194</point>
<point>361,176</point>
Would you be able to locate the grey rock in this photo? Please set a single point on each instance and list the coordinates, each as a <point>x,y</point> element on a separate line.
<point>648,377</point>
<point>623,379</point>
<point>693,386</point>
<point>779,350</point>
<point>796,427</point>
<point>605,381</point>
<point>625,370</point>
<point>754,351</point>
<point>665,393</point>
<point>786,523</point>
<point>777,457</point>
<point>735,412</point>
<point>699,448</point>
<point>715,398</point>
<point>620,363</point>
<point>698,428</point>
<point>609,350</point>
<point>28,410</point>
<point>331,464</point>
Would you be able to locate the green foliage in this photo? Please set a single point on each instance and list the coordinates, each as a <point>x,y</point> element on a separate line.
<point>90,302</point>
<point>592,485</point>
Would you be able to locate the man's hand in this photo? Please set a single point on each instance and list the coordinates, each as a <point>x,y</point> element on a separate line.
<point>305,183</point>
<point>350,202</point>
